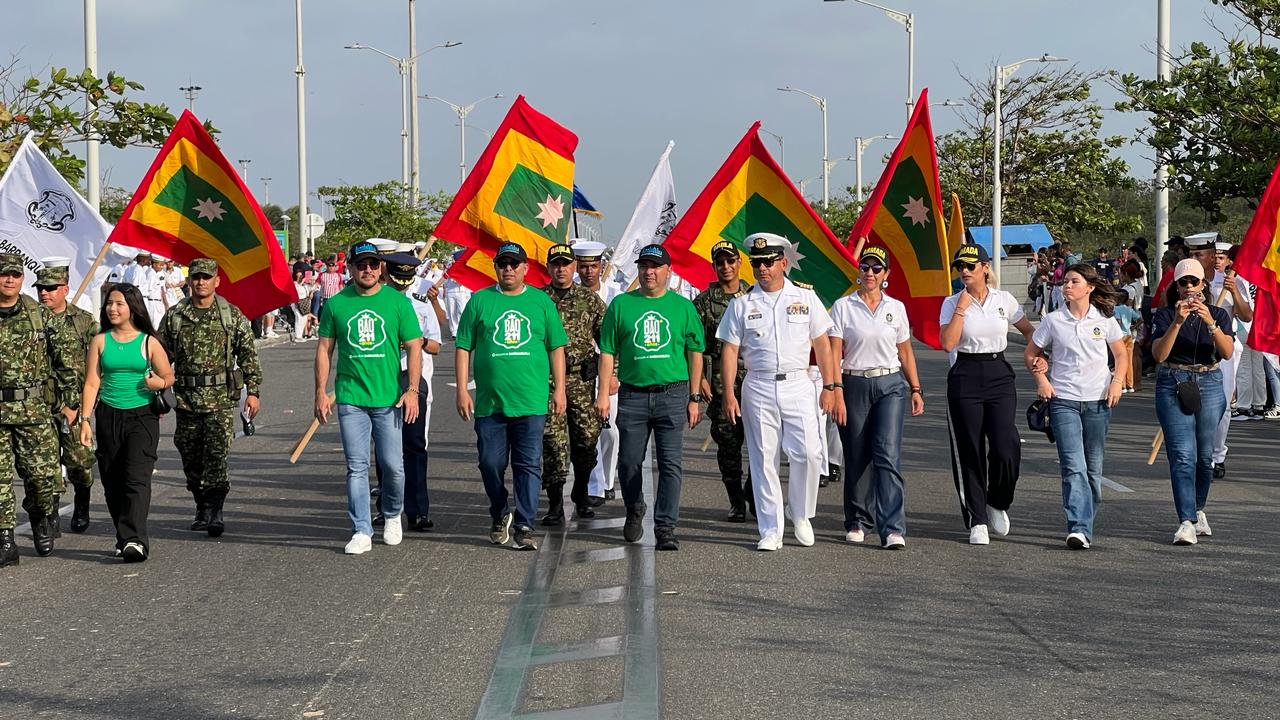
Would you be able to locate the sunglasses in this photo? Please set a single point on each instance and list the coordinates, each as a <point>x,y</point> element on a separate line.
<point>726,261</point>
<point>871,268</point>
<point>964,266</point>
<point>367,264</point>
<point>47,288</point>
<point>1189,281</point>
<point>759,262</point>
<point>507,264</point>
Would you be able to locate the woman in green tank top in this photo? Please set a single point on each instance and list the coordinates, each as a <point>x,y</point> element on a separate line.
<point>127,365</point>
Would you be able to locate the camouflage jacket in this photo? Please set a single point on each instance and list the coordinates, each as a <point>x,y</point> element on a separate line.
<point>711,304</point>
<point>76,328</point>
<point>197,342</point>
<point>35,361</point>
<point>582,312</point>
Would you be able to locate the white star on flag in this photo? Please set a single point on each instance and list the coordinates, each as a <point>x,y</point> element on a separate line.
<point>792,253</point>
<point>916,210</point>
<point>209,209</point>
<point>552,210</point>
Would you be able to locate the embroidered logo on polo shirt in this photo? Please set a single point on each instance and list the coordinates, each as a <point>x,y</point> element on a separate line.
<point>1000,312</point>
<point>888,317</point>
<point>1097,331</point>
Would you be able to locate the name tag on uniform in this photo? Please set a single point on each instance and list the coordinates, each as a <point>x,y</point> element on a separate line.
<point>755,319</point>
<point>798,313</point>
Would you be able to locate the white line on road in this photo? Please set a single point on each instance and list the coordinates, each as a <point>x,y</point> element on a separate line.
<point>1107,482</point>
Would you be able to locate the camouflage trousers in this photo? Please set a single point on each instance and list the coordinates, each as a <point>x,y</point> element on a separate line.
<point>32,451</point>
<point>203,440</point>
<point>572,437</point>
<point>728,437</point>
<point>76,458</point>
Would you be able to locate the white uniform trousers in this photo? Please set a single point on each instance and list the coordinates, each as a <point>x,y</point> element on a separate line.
<point>605,473</point>
<point>155,309</point>
<point>455,301</point>
<point>782,415</point>
<point>1228,388</point>
<point>1251,379</point>
<point>828,432</point>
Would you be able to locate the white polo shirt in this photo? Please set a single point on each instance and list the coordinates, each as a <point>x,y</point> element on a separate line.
<point>774,331</point>
<point>986,325</point>
<point>430,325</point>
<point>1077,351</point>
<point>870,338</point>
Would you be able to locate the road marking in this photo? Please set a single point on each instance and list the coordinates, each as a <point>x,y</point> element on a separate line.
<point>1107,482</point>
<point>25,528</point>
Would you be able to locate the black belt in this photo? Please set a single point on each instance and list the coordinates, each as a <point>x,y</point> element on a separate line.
<point>199,381</point>
<point>652,388</point>
<point>16,394</point>
<point>980,356</point>
<point>575,367</point>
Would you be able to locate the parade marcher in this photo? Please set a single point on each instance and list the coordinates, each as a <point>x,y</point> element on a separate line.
<point>604,475</point>
<point>31,357</point>
<point>210,345</point>
<point>77,329</point>
<point>982,401</point>
<point>125,368</point>
<point>401,275</point>
<point>878,370</point>
<point>368,324</point>
<point>1079,388</point>
<point>653,337</point>
<point>152,288</point>
<point>456,297</point>
<point>774,327</point>
<point>728,436</point>
<point>1190,338</point>
<point>515,337</point>
<point>573,437</point>
<point>135,272</point>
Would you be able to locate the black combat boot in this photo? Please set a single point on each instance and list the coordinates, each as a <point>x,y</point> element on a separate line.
<point>55,519</point>
<point>581,500</point>
<point>737,501</point>
<point>214,499</point>
<point>80,513</point>
<point>201,521</point>
<point>750,494</point>
<point>555,504</point>
<point>8,548</point>
<point>42,534</point>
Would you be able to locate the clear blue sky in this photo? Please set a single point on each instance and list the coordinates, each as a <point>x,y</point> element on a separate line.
<point>626,77</point>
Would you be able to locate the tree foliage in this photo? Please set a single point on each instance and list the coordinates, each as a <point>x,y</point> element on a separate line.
<point>1217,119</point>
<point>365,211</point>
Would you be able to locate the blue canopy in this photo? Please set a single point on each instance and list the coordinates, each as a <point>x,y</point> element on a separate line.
<point>581,203</point>
<point>1018,239</point>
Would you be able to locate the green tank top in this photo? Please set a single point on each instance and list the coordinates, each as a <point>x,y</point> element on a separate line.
<point>123,368</point>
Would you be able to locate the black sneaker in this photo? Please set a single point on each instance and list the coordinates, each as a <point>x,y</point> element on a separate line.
<point>500,533</point>
<point>633,529</point>
<point>134,552</point>
<point>1219,470</point>
<point>525,539</point>
<point>420,523</point>
<point>665,539</point>
<point>610,494</point>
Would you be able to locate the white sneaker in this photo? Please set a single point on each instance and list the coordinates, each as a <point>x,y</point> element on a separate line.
<point>393,531</point>
<point>770,542</point>
<point>1202,524</point>
<point>360,544</point>
<point>1186,534</point>
<point>855,535</point>
<point>998,520</point>
<point>1077,541</point>
<point>895,542</point>
<point>978,535</point>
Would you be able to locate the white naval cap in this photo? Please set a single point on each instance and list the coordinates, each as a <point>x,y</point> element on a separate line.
<point>766,244</point>
<point>383,245</point>
<point>406,247</point>
<point>587,249</point>
<point>1201,241</point>
<point>56,261</point>
<point>420,244</point>
<point>1222,246</point>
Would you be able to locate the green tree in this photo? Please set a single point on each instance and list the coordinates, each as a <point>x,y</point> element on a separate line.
<point>365,211</point>
<point>841,213</point>
<point>274,214</point>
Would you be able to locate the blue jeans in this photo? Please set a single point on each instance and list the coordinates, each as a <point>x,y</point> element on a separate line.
<point>356,424</point>
<point>872,437</point>
<point>518,440</point>
<point>1080,429</point>
<point>664,415</point>
<point>1188,437</point>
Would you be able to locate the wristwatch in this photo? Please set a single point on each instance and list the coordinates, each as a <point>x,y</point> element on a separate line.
<point>696,398</point>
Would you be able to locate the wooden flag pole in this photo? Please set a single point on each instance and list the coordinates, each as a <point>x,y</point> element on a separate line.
<point>303,441</point>
<point>88,277</point>
<point>422,254</point>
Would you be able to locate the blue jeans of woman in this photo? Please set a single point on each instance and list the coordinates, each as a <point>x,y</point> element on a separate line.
<point>1080,429</point>
<point>872,437</point>
<point>1188,437</point>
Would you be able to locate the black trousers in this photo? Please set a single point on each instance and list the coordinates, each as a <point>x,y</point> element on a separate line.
<point>127,441</point>
<point>986,451</point>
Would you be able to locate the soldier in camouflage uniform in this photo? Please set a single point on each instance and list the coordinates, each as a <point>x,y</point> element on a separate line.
<point>711,304</point>
<point>211,347</point>
<point>572,437</point>
<point>35,376</point>
<point>76,328</point>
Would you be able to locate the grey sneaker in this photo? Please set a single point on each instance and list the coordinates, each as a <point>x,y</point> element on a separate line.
<point>500,533</point>
<point>525,539</point>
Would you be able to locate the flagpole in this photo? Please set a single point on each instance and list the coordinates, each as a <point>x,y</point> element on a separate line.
<point>88,276</point>
<point>93,188</point>
<point>301,72</point>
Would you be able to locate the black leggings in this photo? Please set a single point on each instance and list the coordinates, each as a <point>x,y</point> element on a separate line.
<point>127,441</point>
<point>982,404</point>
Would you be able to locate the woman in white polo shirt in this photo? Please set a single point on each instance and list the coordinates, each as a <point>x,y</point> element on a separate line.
<point>1080,389</point>
<point>981,399</point>
<point>873,341</point>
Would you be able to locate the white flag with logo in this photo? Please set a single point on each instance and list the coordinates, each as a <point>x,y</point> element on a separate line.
<point>652,220</point>
<point>41,215</point>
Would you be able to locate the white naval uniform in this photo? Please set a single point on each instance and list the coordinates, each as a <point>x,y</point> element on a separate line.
<point>832,447</point>
<point>151,285</point>
<point>430,325</point>
<point>456,296</point>
<point>774,333</point>
<point>605,473</point>
<point>1227,365</point>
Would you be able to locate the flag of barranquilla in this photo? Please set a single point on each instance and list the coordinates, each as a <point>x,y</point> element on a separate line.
<point>1258,262</point>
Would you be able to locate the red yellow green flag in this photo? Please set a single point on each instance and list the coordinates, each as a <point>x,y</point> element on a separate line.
<point>520,191</point>
<point>751,194</point>
<point>473,269</point>
<point>904,216</point>
<point>192,204</point>
<point>1258,262</point>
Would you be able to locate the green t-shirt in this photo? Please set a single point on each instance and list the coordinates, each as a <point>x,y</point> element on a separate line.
<point>510,338</point>
<point>367,331</point>
<point>648,337</point>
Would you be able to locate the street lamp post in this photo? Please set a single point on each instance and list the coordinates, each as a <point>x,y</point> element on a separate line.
<point>191,92</point>
<point>300,72</point>
<point>908,21</point>
<point>997,199</point>
<point>821,102</point>
<point>93,181</point>
<point>462,111</point>
<point>244,170</point>
<point>860,144</point>
<point>285,220</point>
<point>1162,169</point>
<point>782,149</point>
<point>266,190</point>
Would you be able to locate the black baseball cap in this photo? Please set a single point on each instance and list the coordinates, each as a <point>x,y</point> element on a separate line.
<point>560,254</point>
<point>361,250</point>
<point>972,254</point>
<point>724,247</point>
<point>511,250</point>
<point>655,254</point>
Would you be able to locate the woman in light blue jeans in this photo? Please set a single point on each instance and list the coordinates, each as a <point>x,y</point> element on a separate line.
<point>1079,389</point>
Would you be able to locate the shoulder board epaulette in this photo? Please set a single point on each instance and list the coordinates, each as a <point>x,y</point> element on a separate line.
<point>806,286</point>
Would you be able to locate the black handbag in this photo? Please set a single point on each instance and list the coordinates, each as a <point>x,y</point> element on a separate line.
<point>159,404</point>
<point>1189,396</point>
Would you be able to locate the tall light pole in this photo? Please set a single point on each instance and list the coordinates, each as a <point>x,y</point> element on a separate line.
<point>908,21</point>
<point>300,72</point>
<point>462,111</point>
<point>860,144</point>
<point>266,190</point>
<point>92,175</point>
<point>997,199</point>
<point>1162,169</point>
<point>244,170</point>
<point>782,149</point>
<point>821,102</point>
<point>191,92</point>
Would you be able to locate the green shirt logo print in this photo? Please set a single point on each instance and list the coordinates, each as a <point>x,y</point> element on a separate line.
<point>366,330</point>
<point>511,330</point>
<point>653,332</point>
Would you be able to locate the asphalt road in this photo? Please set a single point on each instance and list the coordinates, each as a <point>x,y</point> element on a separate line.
<point>273,621</point>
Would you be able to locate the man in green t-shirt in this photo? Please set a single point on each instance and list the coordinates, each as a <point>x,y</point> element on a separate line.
<point>368,324</point>
<point>515,336</point>
<point>656,340</point>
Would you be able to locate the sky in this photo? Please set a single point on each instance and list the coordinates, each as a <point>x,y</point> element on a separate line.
<point>626,77</point>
